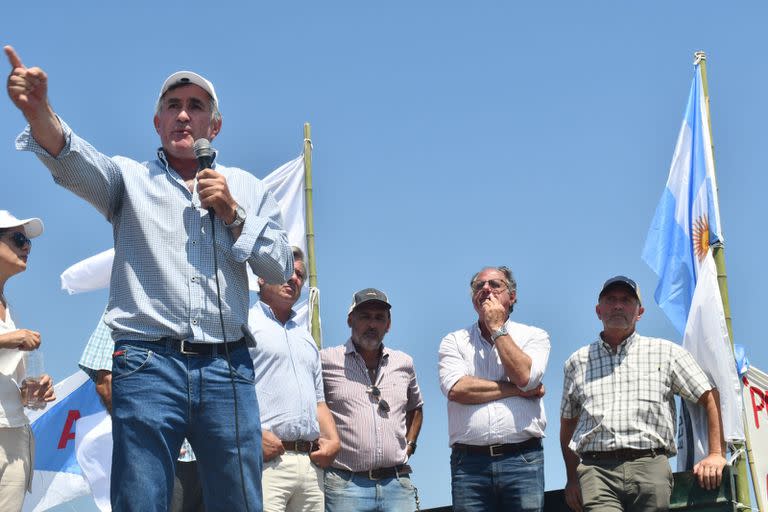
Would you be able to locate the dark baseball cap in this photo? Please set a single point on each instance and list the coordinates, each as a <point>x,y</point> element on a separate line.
<point>367,295</point>
<point>622,281</point>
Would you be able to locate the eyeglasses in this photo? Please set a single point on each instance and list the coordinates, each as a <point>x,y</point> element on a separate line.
<point>19,239</point>
<point>495,284</point>
<point>376,393</point>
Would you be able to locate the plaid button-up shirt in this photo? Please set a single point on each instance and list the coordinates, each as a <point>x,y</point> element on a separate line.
<point>626,399</point>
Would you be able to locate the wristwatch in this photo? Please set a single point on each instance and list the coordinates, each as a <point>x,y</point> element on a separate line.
<point>239,217</point>
<point>501,331</point>
<point>412,444</point>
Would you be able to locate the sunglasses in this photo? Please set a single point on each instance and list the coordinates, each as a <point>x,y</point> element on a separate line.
<point>19,239</point>
<point>376,393</point>
<point>495,284</point>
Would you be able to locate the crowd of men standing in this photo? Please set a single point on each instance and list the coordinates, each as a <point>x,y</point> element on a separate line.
<point>272,422</point>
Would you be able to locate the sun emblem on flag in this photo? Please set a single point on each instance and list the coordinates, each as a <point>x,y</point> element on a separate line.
<point>700,237</point>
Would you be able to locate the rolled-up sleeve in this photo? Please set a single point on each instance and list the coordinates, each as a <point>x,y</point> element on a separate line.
<point>451,365</point>
<point>569,406</point>
<point>537,348</point>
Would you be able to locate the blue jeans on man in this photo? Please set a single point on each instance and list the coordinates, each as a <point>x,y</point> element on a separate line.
<point>348,492</point>
<point>160,396</point>
<point>510,481</point>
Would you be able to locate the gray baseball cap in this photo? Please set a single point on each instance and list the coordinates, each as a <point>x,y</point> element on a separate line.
<point>367,295</point>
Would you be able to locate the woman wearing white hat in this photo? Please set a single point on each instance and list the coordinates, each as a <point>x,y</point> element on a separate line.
<point>16,442</point>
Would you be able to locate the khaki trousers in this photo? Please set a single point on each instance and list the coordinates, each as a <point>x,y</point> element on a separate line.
<point>640,485</point>
<point>16,455</point>
<point>291,483</point>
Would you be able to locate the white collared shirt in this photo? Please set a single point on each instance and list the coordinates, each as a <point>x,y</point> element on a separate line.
<point>509,420</point>
<point>11,410</point>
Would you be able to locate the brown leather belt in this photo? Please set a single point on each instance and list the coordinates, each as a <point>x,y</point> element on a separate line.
<point>300,446</point>
<point>623,454</point>
<point>494,450</point>
<point>378,474</point>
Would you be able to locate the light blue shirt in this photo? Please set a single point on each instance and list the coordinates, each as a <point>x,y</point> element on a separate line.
<point>163,282</point>
<point>289,376</point>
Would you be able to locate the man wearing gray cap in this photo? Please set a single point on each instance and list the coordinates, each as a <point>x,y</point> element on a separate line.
<point>377,406</point>
<point>179,297</point>
<point>617,415</point>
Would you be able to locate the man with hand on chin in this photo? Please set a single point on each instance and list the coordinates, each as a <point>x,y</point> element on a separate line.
<point>181,367</point>
<point>375,399</point>
<point>617,415</point>
<point>491,373</point>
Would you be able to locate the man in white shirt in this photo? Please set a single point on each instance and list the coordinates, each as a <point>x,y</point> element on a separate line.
<point>491,373</point>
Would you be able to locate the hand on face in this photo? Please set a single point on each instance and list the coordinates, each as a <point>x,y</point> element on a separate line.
<point>493,312</point>
<point>27,87</point>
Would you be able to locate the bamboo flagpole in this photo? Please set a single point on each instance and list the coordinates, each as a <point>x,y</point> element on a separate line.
<point>718,252</point>
<point>314,302</point>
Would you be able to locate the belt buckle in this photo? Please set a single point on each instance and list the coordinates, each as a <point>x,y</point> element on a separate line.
<point>370,475</point>
<point>493,448</point>
<point>183,350</point>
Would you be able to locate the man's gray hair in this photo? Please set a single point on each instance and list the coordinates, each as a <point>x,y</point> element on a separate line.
<point>508,277</point>
<point>215,114</point>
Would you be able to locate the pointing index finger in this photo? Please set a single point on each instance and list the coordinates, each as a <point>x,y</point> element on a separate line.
<point>13,57</point>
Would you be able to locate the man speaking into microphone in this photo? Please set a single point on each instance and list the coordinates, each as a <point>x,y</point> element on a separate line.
<point>176,326</point>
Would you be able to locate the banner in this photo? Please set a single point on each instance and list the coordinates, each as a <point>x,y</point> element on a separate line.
<point>756,397</point>
<point>58,477</point>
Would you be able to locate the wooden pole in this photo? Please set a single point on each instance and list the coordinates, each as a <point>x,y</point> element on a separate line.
<point>310,226</point>
<point>718,252</point>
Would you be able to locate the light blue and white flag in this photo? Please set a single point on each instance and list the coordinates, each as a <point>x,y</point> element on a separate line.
<point>58,477</point>
<point>679,249</point>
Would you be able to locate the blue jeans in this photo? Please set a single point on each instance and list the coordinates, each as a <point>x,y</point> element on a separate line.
<point>513,481</point>
<point>160,396</point>
<point>347,492</point>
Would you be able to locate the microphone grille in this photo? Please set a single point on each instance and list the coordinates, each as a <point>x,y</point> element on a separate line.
<point>202,148</point>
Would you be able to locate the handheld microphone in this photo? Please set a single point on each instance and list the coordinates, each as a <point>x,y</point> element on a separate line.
<point>204,153</point>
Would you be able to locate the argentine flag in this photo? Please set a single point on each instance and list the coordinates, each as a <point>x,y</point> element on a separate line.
<point>679,249</point>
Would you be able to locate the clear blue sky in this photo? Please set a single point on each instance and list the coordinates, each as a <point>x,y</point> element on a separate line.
<point>447,137</point>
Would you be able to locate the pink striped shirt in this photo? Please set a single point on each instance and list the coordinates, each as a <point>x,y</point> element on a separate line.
<point>370,437</point>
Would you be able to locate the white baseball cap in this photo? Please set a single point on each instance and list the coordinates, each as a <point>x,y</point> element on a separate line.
<point>32,227</point>
<point>188,77</point>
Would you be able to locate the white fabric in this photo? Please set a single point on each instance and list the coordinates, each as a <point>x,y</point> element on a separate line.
<point>510,420</point>
<point>706,337</point>
<point>287,186</point>
<point>93,444</point>
<point>11,375</point>
<point>90,274</point>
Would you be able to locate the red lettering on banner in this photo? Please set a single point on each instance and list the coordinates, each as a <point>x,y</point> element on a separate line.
<point>69,432</point>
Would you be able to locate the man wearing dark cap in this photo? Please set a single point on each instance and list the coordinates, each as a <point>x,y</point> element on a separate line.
<point>491,372</point>
<point>617,413</point>
<point>178,301</point>
<point>375,400</point>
